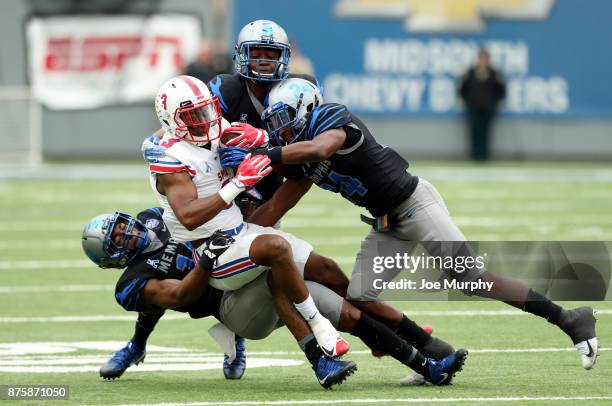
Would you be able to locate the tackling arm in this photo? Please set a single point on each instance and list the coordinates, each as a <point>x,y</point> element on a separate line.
<point>173,293</point>
<point>285,198</point>
<point>319,149</point>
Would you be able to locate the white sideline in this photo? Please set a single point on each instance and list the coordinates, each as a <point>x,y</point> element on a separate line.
<point>56,288</point>
<point>378,400</point>
<point>178,316</point>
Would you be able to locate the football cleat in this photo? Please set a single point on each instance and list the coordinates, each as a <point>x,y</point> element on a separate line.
<point>236,368</point>
<point>441,372</point>
<point>330,342</point>
<point>330,371</point>
<point>589,351</point>
<point>414,379</point>
<point>122,360</point>
<point>579,325</point>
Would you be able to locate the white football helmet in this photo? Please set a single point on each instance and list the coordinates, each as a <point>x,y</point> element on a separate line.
<point>288,106</point>
<point>262,34</point>
<point>186,108</point>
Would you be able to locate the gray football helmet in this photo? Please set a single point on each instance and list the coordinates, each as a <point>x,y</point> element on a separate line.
<point>99,246</point>
<point>262,34</point>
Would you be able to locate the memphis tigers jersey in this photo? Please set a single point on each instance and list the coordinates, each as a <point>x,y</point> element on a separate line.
<point>174,260</point>
<point>364,172</point>
<point>203,165</point>
<point>235,100</point>
<point>237,105</point>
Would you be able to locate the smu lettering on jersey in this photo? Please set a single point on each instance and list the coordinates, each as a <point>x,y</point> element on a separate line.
<point>173,260</point>
<point>238,105</point>
<point>362,171</point>
<point>203,165</point>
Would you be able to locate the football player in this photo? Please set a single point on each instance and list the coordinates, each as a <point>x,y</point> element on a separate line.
<point>327,145</point>
<point>261,57</point>
<point>159,275</point>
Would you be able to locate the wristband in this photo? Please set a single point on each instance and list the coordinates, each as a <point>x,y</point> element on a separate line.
<point>275,154</point>
<point>229,192</point>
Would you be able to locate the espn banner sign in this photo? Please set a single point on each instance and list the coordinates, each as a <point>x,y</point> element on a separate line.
<point>91,61</point>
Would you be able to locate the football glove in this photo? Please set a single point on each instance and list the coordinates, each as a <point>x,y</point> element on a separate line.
<point>151,149</point>
<point>251,171</point>
<point>248,136</point>
<point>216,245</point>
<point>231,157</point>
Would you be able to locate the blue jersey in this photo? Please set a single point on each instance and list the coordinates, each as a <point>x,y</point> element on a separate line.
<point>364,172</point>
<point>173,260</point>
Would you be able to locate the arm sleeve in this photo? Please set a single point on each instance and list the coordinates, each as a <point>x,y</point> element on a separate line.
<point>327,117</point>
<point>168,164</point>
<point>128,291</point>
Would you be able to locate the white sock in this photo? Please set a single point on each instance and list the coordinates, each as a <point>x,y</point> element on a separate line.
<point>307,309</point>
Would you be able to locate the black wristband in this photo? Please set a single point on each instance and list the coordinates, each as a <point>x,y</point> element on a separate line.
<point>275,154</point>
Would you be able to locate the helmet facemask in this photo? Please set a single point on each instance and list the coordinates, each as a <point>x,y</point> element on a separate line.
<point>113,241</point>
<point>283,125</point>
<point>194,122</point>
<point>259,69</point>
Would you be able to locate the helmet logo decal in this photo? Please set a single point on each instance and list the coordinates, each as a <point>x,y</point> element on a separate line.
<point>164,97</point>
<point>266,32</point>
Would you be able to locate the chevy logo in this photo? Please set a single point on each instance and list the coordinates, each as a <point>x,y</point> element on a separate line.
<point>445,15</point>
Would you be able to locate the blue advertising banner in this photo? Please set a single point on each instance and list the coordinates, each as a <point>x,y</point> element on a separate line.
<point>404,57</point>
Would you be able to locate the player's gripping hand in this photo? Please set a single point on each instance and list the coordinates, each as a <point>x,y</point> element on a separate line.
<point>231,157</point>
<point>251,171</point>
<point>216,245</point>
<point>152,150</point>
<point>244,135</point>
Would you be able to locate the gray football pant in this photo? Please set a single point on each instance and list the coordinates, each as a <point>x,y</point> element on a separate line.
<point>249,311</point>
<point>422,218</point>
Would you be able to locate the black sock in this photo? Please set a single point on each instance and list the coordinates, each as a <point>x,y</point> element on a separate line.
<point>144,327</point>
<point>540,306</point>
<point>379,337</point>
<point>412,333</point>
<point>310,347</point>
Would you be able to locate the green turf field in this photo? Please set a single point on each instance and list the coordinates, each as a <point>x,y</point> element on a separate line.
<point>59,320</point>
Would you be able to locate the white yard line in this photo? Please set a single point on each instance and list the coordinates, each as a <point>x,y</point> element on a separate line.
<point>178,316</point>
<point>383,401</point>
<point>80,319</point>
<point>46,264</point>
<point>57,288</point>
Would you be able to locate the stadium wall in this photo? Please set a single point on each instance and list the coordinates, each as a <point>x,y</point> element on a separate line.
<point>115,132</point>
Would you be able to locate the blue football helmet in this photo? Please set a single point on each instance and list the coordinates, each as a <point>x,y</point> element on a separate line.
<point>101,248</point>
<point>262,34</point>
<point>289,105</point>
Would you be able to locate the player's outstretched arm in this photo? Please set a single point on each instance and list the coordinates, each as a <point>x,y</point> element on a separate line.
<point>173,293</point>
<point>283,200</point>
<point>319,149</point>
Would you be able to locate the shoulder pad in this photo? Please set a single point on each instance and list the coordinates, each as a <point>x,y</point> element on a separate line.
<point>223,86</point>
<point>327,117</point>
